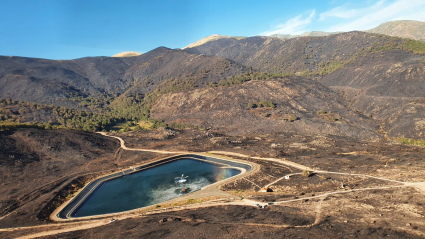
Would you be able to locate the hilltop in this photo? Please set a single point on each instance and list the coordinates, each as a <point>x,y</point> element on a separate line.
<point>354,63</point>
<point>127,54</point>
<point>405,28</point>
<point>208,39</point>
<point>370,71</point>
<point>342,115</point>
<point>306,34</point>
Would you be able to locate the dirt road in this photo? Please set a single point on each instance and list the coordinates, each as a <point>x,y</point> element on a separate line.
<point>244,202</point>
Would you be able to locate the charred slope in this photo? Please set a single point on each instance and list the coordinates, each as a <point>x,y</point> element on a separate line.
<point>308,55</point>
<point>53,82</point>
<point>33,161</point>
<point>168,64</point>
<point>380,64</point>
<point>390,90</point>
<point>395,73</point>
<point>294,55</point>
<point>298,100</point>
<point>374,68</point>
<point>45,81</point>
<point>19,148</point>
<point>380,76</point>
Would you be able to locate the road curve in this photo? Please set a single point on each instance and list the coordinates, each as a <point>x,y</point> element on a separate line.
<point>245,202</point>
<point>418,185</point>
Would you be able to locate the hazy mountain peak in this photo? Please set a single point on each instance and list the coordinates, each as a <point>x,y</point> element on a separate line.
<point>402,28</point>
<point>208,39</point>
<point>127,54</point>
<point>306,34</point>
<point>318,33</point>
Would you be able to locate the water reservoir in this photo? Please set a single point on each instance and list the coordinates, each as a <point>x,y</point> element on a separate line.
<point>150,186</point>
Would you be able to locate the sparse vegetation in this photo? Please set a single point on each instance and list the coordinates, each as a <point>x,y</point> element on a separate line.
<point>237,80</point>
<point>328,115</point>
<point>306,173</point>
<point>325,68</point>
<point>252,105</point>
<point>290,118</point>
<point>337,118</point>
<point>263,103</point>
<point>418,142</point>
<point>266,103</point>
<point>193,201</point>
<point>124,115</point>
<point>416,47</point>
<point>18,114</point>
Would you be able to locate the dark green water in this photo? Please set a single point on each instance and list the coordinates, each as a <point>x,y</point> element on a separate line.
<point>152,186</point>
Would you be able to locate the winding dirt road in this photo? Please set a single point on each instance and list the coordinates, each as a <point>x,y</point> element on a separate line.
<point>244,202</point>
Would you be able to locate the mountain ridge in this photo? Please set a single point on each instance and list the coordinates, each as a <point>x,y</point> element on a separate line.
<point>401,28</point>
<point>363,67</point>
<point>127,54</point>
<point>208,39</point>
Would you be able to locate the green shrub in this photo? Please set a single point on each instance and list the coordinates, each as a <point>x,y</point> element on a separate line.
<point>418,142</point>
<point>192,201</point>
<point>252,105</point>
<point>417,47</point>
<point>266,103</point>
<point>306,173</point>
<point>263,103</point>
<point>292,118</point>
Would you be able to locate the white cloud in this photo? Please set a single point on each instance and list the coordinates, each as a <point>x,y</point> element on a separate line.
<point>293,26</point>
<point>343,18</point>
<point>382,11</point>
<point>344,12</point>
<point>419,15</point>
<point>339,12</point>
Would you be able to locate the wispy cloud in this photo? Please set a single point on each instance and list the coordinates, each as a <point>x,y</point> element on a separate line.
<point>293,26</point>
<point>346,13</point>
<point>382,11</point>
<point>345,18</point>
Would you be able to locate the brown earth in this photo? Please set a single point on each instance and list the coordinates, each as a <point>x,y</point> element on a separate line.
<point>225,108</point>
<point>359,215</point>
<point>381,79</point>
<point>36,164</point>
<point>374,213</point>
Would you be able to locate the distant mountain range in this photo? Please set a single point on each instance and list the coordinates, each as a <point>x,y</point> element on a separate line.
<point>405,29</point>
<point>355,84</point>
<point>307,34</point>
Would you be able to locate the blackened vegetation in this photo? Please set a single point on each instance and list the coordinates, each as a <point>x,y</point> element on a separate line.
<point>231,222</point>
<point>374,71</point>
<point>35,164</point>
<point>66,193</point>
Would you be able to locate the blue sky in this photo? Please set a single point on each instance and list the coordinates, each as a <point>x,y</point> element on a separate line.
<point>68,29</point>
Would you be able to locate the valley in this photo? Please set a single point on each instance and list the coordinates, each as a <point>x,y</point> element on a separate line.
<point>333,126</point>
<point>369,172</point>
